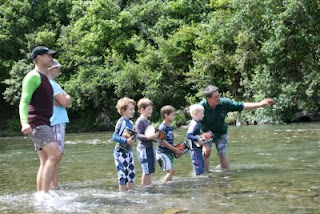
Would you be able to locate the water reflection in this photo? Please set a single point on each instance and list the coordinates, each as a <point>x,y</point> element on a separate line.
<point>274,169</point>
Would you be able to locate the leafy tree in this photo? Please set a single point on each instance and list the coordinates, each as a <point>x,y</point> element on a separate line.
<point>18,71</point>
<point>292,60</point>
<point>168,51</point>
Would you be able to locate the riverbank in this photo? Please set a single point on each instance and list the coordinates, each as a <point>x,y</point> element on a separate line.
<point>90,122</point>
<point>12,127</point>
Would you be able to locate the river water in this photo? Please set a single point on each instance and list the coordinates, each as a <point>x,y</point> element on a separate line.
<point>273,169</point>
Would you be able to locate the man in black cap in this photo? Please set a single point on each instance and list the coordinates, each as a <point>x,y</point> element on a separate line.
<point>35,109</point>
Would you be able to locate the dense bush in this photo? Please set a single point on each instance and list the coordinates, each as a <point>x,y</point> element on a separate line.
<point>168,51</point>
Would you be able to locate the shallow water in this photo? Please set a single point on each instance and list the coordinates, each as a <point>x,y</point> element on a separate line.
<point>273,169</point>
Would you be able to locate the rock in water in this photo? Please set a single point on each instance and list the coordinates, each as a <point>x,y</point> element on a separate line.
<point>175,211</point>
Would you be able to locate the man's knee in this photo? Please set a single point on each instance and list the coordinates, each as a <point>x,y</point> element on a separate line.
<point>58,155</point>
<point>52,150</point>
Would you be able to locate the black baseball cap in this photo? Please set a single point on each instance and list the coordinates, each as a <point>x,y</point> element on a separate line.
<point>39,50</point>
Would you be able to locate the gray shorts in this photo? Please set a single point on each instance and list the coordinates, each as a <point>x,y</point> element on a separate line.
<point>41,136</point>
<point>222,145</point>
<point>59,131</point>
<point>165,160</point>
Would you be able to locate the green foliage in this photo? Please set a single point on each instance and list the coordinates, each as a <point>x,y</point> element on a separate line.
<point>180,119</point>
<point>14,21</point>
<point>220,3</point>
<point>88,120</point>
<point>168,51</point>
<point>13,91</point>
<point>14,124</point>
<point>291,60</point>
<point>211,58</point>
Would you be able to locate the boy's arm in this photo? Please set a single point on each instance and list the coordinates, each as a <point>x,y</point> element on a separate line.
<point>169,146</point>
<point>190,135</point>
<point>193,137</point>
<point>116,136</point>
<point>191,129</point>
<point>140,128</point>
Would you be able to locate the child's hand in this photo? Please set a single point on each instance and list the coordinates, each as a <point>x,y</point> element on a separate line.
<point>203,139</point>
<point>200,141</point>
<point>130,140</point>
<point>161,143</point>
<point>154,136</point>
<point>177,151</point>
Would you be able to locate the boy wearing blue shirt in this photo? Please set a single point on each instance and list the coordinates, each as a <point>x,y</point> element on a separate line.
<point>193,133</point>
<point>123,150</point>
<point>166,147</point>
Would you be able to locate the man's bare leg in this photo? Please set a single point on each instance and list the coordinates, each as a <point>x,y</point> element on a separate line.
<point>54,155</point>
<point>43,158</point>
<point>206,163</point>
<point>55,179</point>
<point>224,162</point>
<point>206,156</point>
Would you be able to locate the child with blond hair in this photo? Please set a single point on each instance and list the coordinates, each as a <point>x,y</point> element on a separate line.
<point>166,147</point>
<point>193,134</point>
<point>123,150</point>
<point>145,150</point>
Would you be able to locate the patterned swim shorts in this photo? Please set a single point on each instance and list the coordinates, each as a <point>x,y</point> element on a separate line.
<point>125,165</point>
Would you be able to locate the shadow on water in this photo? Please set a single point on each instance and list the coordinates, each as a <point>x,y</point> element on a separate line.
<point>274,169</point>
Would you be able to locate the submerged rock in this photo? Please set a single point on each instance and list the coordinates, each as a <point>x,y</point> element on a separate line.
<point>175,211</point>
